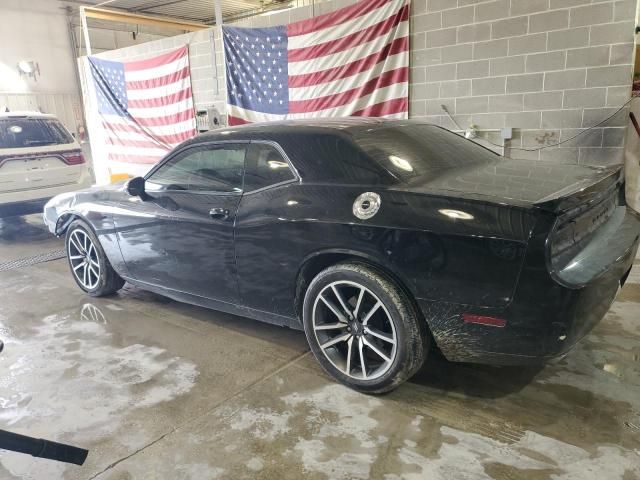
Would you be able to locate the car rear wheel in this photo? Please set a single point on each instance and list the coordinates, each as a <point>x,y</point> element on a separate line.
<point>89,265</point>
<point>363,329</point>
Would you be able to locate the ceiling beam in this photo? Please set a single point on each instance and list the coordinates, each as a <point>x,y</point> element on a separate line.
<point>258,10</point>
<point>148,7</point>
<point>138,19</point>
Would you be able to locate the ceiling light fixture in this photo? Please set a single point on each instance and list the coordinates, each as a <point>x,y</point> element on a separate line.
<point>29,68</point>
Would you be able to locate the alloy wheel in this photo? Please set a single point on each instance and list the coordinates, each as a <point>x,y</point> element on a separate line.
<point>83,257</point>
<point>354,330</point>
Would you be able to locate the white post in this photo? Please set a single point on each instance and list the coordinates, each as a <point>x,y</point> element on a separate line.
<point>85,30</point>
<point>218,12</point>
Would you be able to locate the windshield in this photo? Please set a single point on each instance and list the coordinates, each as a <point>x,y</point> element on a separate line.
<point>416,150</point>
<point>32,132</point>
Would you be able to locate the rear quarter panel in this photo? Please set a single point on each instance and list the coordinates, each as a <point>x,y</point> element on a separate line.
<point>475,261</point>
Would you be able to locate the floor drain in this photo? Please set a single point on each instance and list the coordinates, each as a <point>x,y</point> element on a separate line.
<point>28,261</point>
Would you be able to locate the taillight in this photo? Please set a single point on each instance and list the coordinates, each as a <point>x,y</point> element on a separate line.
<point>73,158</point>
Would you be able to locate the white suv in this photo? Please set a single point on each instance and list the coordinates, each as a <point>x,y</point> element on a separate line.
<point>39,159</point>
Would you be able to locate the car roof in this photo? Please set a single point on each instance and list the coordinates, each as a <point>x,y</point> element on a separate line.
<point>267,130</point>
<point>26,114</point>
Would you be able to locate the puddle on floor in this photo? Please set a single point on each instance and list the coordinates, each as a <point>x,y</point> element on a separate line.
<point>70,374</point>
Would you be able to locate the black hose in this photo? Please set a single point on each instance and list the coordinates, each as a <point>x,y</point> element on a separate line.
<point>38,447</point>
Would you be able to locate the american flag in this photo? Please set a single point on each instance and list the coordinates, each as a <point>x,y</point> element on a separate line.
<point>351,62</point>
<point>145,107</point>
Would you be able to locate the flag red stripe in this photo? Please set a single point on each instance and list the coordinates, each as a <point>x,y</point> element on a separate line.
<point>334,18</point>
<point>118,157</point>
<point>397,105</point>
<point>161,101</point>
<point>125,142</point>
<point>159,81</point>
<point>156,61</point>
<point>164,121</point>
<point>234,121</point>
<point>363,36</point>
<point>168,139</point>
<point>386,79</point>
<point>397,46</point>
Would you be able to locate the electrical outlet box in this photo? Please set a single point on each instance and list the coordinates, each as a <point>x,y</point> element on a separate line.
<point>506,133</point>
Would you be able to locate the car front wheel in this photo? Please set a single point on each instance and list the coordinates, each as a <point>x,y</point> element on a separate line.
<point>88,263</point>
<point>362,328</point>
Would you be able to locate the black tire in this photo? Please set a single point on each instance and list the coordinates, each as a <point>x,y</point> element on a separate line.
<point>108,281</point>
<point>412,340</point>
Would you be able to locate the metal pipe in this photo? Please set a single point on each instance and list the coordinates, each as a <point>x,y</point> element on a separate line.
<point>75,52</point>
<point>138,19</point>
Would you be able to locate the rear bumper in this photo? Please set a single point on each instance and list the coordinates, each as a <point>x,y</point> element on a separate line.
<point>32,201</point>
<point>22,208</point>
<point>546,318</point>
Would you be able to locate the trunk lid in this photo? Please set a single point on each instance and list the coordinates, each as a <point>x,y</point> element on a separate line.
<point>39,167</point>
<point>426,159</point>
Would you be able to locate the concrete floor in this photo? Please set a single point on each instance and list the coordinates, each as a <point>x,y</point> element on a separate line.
<point>161,390</point>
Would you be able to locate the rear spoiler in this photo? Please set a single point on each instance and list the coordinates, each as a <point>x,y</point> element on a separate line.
<point>588,190</point>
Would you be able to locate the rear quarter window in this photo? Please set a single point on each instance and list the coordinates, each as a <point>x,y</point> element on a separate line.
<point>265,166</point>
<point>32,132</point>
<point>335,158</point>
<point>420,150</point>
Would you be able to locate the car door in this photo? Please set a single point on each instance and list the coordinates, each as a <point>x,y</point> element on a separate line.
<point>266,229</point>
<point>187,244</point>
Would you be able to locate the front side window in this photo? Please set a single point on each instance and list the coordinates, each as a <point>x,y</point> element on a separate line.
<point>265,166</point>
<point>206,169</point>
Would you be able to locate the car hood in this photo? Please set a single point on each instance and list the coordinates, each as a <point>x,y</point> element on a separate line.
<point>519,182</point>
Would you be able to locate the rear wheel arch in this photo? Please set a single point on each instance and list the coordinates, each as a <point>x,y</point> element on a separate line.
<point>394,320</point>
<point>317,262</point>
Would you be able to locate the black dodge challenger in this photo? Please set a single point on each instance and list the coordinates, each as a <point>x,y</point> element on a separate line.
<point>380,238</point>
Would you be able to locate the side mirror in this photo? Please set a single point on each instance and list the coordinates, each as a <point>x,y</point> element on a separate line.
<point>135,187</point>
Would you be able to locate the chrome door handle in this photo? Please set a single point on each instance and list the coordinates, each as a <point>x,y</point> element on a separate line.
<point>219,213</point>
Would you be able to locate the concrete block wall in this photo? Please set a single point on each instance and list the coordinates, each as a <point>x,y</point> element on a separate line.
<point>547,68</point>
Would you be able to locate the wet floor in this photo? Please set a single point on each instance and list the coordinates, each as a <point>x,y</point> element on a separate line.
<point>160,390</point>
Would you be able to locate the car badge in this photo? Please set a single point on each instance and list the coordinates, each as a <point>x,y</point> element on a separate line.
<point>366,205</point>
